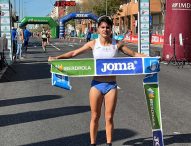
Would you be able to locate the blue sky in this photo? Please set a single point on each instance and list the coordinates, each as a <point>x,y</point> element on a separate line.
<point>33,7</point>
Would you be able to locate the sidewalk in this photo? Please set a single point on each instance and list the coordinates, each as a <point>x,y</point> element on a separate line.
<point>152,45</point>
<point>6,72</point>
<point>2,74</point>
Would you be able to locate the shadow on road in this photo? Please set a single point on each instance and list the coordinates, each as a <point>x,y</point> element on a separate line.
<point>168,140</point>
<point>34,52</point>
<point>11,119</point>
<point>9,102</point>
<point>28,71</point>
<point>83,139</point>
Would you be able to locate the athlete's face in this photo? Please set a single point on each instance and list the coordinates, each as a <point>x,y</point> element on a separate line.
<point>104,30</point>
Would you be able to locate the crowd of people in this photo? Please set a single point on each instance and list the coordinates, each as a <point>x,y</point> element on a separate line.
<point>20,40</point>
<point>21,36</point>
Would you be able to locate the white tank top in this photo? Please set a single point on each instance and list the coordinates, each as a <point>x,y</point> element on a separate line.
<point>101,52</point>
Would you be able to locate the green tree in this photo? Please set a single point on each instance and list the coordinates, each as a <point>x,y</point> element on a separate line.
<point>85,6</point>
<point>112,7</point>
<point>71,22</point>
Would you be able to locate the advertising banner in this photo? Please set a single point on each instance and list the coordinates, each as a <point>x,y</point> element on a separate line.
<point>117,66</point>
<point>144,23</point>
<point>73,67</point>
<point>151,89</point>
<point>158,138</point>
<point>151,92</point>
<point>5,25</point>
<point>61,81</point>
<point>177,34</point>
<point>101,67</point>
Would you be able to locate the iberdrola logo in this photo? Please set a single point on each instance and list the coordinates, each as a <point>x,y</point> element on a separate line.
<point>150,93</point>
<point>60,67</point>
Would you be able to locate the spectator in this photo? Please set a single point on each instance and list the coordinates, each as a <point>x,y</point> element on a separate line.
<point>48,37</point>
<point>20,41</point>
<point>14,41</point>
<point>5,42</point>
<point>27,35</point>
<point>88,36</point>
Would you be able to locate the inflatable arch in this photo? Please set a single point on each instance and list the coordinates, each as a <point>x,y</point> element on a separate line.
<point>70,16</point>
<point>42,20</point>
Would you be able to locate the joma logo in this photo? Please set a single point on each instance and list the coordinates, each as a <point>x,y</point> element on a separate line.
<point>118,66</point>
<point>81,15</point>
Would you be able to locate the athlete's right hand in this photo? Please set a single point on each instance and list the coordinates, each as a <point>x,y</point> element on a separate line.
<point>50,58</point>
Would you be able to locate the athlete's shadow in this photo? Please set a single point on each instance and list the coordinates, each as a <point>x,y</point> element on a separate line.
<point>168,140</point>
<point>31,71</point>
<point>25,100</point>
<point>83,139</point>
<point>30,116</point>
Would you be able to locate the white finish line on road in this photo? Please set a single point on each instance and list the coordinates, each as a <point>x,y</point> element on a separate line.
<point>55,47</point>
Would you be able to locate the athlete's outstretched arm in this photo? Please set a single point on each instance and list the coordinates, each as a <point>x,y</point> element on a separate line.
<point>73,53</point>
<point>122,47</point>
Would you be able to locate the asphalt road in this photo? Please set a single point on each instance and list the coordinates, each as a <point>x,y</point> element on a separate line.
<point>34,113</point>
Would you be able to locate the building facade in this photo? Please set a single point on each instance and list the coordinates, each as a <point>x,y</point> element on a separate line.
<point>57,12</point>
<point>127,17</point>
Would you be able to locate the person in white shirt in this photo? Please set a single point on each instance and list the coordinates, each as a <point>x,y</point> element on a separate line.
<point>20,41</point>
<point>44,39</point>
<point>103,88</point>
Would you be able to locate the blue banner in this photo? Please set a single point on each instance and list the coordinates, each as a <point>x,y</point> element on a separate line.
<point>114,66</point>
<point>151,78</point>
<point>119,66</point>
<point>158,138</point>
<point>151,65</point>
<point>61,81</point>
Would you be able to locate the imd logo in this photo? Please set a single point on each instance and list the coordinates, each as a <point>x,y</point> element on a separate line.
<point>181,6</point>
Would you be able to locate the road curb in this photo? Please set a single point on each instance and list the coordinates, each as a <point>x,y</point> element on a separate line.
<point>3,74</point>
<point>6,73</point>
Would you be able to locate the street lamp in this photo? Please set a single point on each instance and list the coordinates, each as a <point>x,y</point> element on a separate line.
<point>106,7</point>
<point>22,10</point>
<point>19,10</point>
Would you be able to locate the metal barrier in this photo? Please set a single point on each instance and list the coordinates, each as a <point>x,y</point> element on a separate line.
<point>3,61</point>
<point>3,46</point>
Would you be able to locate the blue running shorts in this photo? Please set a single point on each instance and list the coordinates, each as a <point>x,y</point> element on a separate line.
<point>104,87</point>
